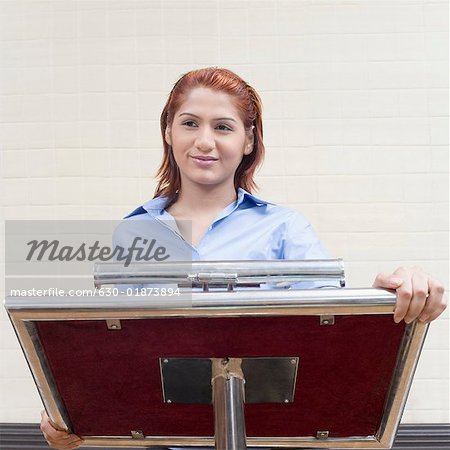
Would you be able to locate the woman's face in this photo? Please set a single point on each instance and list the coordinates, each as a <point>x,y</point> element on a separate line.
<point>208,139</point>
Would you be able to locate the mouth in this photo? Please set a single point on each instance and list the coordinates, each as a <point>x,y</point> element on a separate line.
<point>203,158</point>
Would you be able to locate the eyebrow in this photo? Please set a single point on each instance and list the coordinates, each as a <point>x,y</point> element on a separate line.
<point>218,118</point>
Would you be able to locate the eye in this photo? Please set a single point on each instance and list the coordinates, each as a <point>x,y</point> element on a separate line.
<point>224,127</point>
<point>189,123</point>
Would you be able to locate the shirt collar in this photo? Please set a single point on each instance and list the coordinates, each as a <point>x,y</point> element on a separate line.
<point>157,205</point>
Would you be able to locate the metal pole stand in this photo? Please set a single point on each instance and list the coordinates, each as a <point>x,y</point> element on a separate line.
<point>228,400</point>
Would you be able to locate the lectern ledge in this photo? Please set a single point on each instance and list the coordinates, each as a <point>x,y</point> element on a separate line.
<point>234,359</point>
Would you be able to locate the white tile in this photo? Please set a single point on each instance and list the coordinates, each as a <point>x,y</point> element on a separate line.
<point>123,133</point>
<point>36,53</point>
<point>150,105</point>
<point>262,49</point>
<point>16,192</point>
<point>37,80</point>
<point>13,81</point>
<point>436,74</point>
<point>41,163</point>
<point>93,134</point>
<point>39,26</point>
<point>296,105</point>
<point>91,24</point>
<point>412,103</point>
<point>65,107</point>
<point>439,159</point>
<point>122,106</point>
<point>398,74</point>
<point>64,25</point>
<point>122,78</point>
<point>67,134</point>
<point>274,162</point>
<point>37,108</point>
<point>65,52</point>
<point>19,393</point>
<point>205,50</point>
<point>399,131</point>
<point>13,365</point>
<point>233,23</point>
<point>435,16</point>
<point>176,21</point>
<point>93,106</point>
<point>437,102</point>
<point>11,108</point>
<point>383,103</point>
<point>300,160</point>
<point>151,50</point>
<point>271,188</point>
<point>426,416</point>
<point>66,79</point>
<point>300,189</point>
<point>12,27</point>
<point>98,50</point>
<point>273,133</point>
<point>122,23</point>
<point>428,394</point>
<point>152,78</point>
<point>438,131</point>
<point>263,21</point>
<point>69,163</point>
<point>92,78</point>
<point>298,132</point>
<point>11,164</point>
<point>149,134</point>
<point>149,22</point>
<point>433,364</point>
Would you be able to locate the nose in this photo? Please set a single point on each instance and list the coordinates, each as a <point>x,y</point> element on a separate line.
<point>204,140</point>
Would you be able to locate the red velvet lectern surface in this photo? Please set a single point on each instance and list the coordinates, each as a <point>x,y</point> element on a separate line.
<point>110,382</point>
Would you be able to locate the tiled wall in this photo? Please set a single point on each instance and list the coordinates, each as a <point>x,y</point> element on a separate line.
<point>356,126</point>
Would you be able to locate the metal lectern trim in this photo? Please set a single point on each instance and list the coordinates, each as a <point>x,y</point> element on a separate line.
<point>24,311</point>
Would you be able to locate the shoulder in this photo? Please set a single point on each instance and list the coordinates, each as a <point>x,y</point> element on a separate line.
<point>286,215</point>
<point>152,208</point>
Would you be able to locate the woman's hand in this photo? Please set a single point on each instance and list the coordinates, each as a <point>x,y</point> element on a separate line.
<point>419,296</point>
<point>58,439</point>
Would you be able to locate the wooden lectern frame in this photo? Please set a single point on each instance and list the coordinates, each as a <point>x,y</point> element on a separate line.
<point>29,316</point>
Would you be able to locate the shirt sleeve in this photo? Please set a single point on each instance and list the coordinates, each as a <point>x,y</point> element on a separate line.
<point>302,243</point>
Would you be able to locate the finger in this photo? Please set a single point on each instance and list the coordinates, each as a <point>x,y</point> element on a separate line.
<point>54,436</point>
<point>66,446</point>
<point>419,295</point>
<point>387,281</point>
<point>436,302</point>
<point>404,296</point>
<point>72,440</point>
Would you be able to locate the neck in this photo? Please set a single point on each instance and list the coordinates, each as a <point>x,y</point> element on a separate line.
<point>201,199</point>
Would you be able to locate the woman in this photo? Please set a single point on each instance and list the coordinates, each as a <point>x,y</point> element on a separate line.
<point>213,142</point>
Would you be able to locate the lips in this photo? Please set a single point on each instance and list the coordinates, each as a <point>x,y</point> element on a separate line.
<point>204,158</point>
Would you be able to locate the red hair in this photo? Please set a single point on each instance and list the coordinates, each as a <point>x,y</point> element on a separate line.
<point>249,107</point>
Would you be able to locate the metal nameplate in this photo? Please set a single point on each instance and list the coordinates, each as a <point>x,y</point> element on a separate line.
<point>267,380</point>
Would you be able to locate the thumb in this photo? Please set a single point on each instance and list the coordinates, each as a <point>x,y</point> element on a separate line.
<point>387,281</point>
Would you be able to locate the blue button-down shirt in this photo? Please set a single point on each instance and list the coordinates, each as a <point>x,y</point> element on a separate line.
<point>247,229</point>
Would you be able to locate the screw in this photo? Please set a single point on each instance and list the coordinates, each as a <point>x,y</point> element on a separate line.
<point>326,322</point>
<point>293,361</point>
<point>169,401</point>
<point>286,401</point>
<point>166,361</point>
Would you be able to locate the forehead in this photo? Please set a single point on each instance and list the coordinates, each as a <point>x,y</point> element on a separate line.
<point>207,103</point>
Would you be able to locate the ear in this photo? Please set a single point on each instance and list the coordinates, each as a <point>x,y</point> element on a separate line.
<point>167,136</point>
<point>249,141</point>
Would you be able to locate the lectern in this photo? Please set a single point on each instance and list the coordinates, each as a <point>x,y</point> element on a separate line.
<point>229,354</point>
